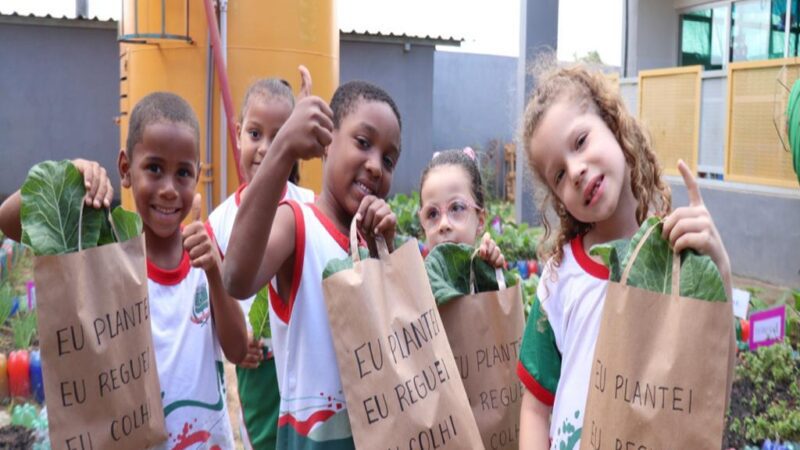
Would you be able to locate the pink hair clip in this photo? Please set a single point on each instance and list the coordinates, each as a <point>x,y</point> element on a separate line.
<point>469,152</point>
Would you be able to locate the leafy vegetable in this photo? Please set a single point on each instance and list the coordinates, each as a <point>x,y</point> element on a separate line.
<point>259,314</point>
<point>448,267</point>
<point>652,269</point>
<point>338,265</point>
<point>52,201</point>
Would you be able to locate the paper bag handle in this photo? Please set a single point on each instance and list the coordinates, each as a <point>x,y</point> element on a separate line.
<point>498,273</point>
<point>80,226</point>
<point>676,262</point>
<point>380,243</point>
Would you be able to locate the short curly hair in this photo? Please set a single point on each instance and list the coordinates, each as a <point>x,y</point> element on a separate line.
<point>158,107</point>
<point>581,84</point>
<point>349,94</point>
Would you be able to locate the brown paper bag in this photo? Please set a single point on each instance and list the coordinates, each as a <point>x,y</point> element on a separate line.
<point>485,331</point>
<point>660,376</point>
<point>100,379</point>
<point>398,373</point>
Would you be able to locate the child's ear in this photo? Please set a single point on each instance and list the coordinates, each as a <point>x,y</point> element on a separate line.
<point>481,222</point>
<point>238,134</point>
<point>124,167</point>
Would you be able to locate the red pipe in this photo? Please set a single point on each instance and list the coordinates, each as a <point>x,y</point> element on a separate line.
<point>222,74</point>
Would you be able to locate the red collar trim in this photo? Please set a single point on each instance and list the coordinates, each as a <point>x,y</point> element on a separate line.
<point>589,265</point>
<point>337,235</point>
<point>169,277</point>
<point>238,194</point>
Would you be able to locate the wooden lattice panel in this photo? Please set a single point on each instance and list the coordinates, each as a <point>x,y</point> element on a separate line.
<point>756,102</point>
<point>669,107</point>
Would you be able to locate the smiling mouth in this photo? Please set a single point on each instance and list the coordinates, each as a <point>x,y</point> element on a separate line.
<point>364,188</point>
<point>166,211</point>
<point>591,190</point>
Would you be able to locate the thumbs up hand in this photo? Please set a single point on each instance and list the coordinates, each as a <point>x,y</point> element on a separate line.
<point>196,241</point>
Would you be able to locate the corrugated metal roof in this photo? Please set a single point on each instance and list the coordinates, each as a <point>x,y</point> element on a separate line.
<point>368,34</point>
<point>439,40</point>
<point>48,16</point>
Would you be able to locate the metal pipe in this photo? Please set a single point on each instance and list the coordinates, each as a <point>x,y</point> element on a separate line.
<point>209,123</point>
<point>219,65</point>
<point>223,165</point>
<point>787,30</point>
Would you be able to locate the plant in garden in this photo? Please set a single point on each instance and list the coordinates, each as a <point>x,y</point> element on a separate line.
<point>405,208</point>
<point>6,301</point>
<point>54,218</point>
<point>23,327</point>
<point>765,403</point>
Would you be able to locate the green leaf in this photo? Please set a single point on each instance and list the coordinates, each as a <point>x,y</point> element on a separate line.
<point>23,327</point>
<point>259,314</point>
<point>338,265</point>
<point>611,253</point>
<point>652,269</point>
<point>6,302</point>
<point>52,200</point>
<point>127,223</point>
<point>448,267</point>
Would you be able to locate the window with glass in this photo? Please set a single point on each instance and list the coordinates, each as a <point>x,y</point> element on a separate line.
<point>757,31</point>
<point>703,37</point>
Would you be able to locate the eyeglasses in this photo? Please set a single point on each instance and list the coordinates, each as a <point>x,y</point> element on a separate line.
<point>457,210</point>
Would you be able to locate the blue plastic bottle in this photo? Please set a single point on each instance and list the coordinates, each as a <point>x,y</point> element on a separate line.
<point>37,382</point>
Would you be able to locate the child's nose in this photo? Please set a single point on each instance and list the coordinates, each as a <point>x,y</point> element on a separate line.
<point>373,166</point>
<point>168,190</point>
<point>577,170</point>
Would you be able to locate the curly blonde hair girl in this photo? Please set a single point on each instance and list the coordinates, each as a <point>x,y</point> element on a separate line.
<point>580,84</point>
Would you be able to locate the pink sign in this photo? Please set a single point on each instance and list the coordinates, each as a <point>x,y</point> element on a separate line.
<point>767,327</point>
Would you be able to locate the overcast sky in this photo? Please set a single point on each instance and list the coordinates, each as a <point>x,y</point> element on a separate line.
<point>487,26</point>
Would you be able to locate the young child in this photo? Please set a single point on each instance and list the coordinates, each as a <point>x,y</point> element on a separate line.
<point>289,246</point>
<point>602,180</point>
<point>190,313</point>
<point>451,204</point>
<point>267,105</point>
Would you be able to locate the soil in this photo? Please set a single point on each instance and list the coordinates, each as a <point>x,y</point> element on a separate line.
<point>15,437</point>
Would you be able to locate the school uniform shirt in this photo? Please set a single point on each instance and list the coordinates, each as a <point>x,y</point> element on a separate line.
<point>558,346</point>
<point>313,413</point>
<point>258,388</point>
<point>189,359</point>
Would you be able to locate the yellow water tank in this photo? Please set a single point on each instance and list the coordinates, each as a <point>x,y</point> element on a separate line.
<point>164,47</point>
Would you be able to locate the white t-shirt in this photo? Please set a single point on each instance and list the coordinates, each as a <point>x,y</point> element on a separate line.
<point>223,216</point>
<point>313,413</point>
<point>558,346</point>
<point>188,357</point>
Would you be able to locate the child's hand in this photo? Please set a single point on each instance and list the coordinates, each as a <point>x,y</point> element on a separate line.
<point>490,252</point>
<point>309,129</point>
<point>692,227</point>
<point>202,251</point>
<point>376,218</point>
<point>255,353</point>
<point>99,190</point>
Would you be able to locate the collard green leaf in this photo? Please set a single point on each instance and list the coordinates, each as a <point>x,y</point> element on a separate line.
<point>652,269</point>
<point>338,265</point>
<point>259,314</point>
<point>448,267</point>
<point>52,200</point>
<point>127,223</point>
